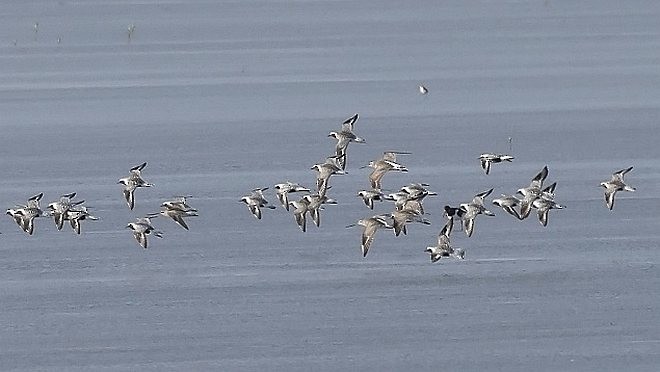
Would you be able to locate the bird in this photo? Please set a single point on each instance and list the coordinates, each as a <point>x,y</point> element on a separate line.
<point>24,215</point>
<point>544,206</point>
<point>315,204</point>
<point>473,209</point>
<point>403,200</point>
<point>141,228</point>
<point>488,159</point>
<point>324,170</point>
<point>59,209</point>
<point>132,182</point>
<point>300,209</point>
<point>368,196</point>
<point>616,183</point>
<point>371,225</point>
<point>344,137</point>
<point>79,214</point>
<point>383,165</point>
<point>532,192</point>
<point>176,214</point>
<point>508,202</point>
<point>444,248</point>
<point>255,201</point>
<point>282,191</point>
<point>451,212</point>
<point>404,216</point>
<point>178,202</point>
<point>423,90</point>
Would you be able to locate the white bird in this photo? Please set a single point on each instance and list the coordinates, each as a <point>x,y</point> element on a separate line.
<point>132,182</point>
<point>141,228</point>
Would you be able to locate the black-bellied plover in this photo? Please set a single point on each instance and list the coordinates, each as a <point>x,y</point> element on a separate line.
<point>315,204</point>
<point>405,216</point>
<point>178,202</point>
<point>532,192</point>
<point>344,137</point>
<point>78,214</point>
<point>176,214</point>
<point>444,248</point>
<point>473,209</point>
<point>255,201</point>
<point>324,170</point>
<point>300,209</point>
<point>543,206</point>
<point>371,225</point>
<point>282,191</point>
<point>508,203</point>
<point>616,183</point>
<point>368,196</point>
<point>24,215</point>
<point>141,228</point>
<point>132,182</point>
<point>383,165</point>
<point>487,159</point>
<point>59,209</point>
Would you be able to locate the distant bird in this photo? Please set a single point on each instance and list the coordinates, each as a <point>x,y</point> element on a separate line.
<point>282,191</point>
<point>368,196</point>
<point>178,202</point>
<point>488,159</point>
<point>532,192</point>
<point>508,203</point>
<point>473,209</point>
<point>371,225</point>
<point>300,209</point>
<point>141,228</point>
<point>344,137</point>
<point>255,201</point>
<point>402,217</point>
<point>59,209</point>
<point>131,31</point>
<point>444,248</point>
<point>24,215</point>
<point>616,183</point>
<point>383,165</point>
<point>324,170</point>
<point>176,214</point>
<point>315,204</point>
<point>79,214</point>
<point>132,182</point>
<point>423,90</point>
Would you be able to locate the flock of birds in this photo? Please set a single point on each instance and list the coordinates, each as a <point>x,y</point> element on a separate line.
<point>408,201</point>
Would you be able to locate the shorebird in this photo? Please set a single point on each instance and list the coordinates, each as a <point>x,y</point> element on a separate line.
<point>141,228</point>
<point>255,201</point>
<point>368,196</point>
<point>403,200</point>
<point>508,202</point>
<point>299,212</point>
<point>282,191</point>
<point>402,217</point>
<point>488,159</point>
<point>315,204</point>
<point>473,209</point>
<point>24,215</point>
<point>344,137</point>
<point>451,212</point>
<point>326,169</point>
<point>371,225</point>
<point>423,90</point>
<point>178,202</point>
<point>132,182</point>
<point>79,214</point>
<point>544,206</point>
<point>60,208</point>
<point>176,214</point>
<point>383,165</point>
<point>418,191</point>
<point>532,192</point>
<point>444,248</point>
<point>616,183</point>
